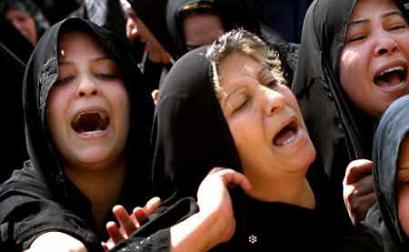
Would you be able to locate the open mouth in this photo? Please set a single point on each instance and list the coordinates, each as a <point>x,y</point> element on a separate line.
<point>391,77</point>
<point>90,121</point>
<point>287,134</point>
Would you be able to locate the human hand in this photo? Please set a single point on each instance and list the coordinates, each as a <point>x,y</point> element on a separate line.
<point>215,203</point>
<point>128,223</point>
<point>56,241</point>
<point>214,223</point>
<point>358,189</point>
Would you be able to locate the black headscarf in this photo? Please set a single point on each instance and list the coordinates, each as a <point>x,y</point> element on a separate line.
<point>240,15</point>
<point>339,131</point>
<point>43,176</point>
<point>12,69</point>
<point>105,13</point>
<point>27,6</point>
<point>284,17</point>
<point>193,137</point>
<point>332,120</point>
<point>192,134</point>
<point>391,131</point>
<point>11,38</point>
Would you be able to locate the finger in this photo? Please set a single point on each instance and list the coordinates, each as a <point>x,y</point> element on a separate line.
<point>152,205</point>
<point>364,186</point>
<point>368,200</point>
<point>104,247</point>
<point>361,206</point>
<point>234,178</point>
<point>124,219</point>
<point>113,231</point>
<point>139,216</point>
<point>357,169</point>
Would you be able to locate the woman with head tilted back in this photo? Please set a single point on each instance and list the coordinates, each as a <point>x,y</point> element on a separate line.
<point>232,109</point>
<point>354,60</point>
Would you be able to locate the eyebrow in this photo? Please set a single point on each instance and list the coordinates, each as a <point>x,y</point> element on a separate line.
<point>102,58</point>
<point>259,75</point>
<point>365,20</point>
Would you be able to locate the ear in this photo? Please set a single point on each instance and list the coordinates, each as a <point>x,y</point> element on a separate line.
<point>155,96</point>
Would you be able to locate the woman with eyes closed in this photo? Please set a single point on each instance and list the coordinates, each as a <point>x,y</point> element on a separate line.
<point>86,119</point>
<point>354,61</point>
<point>391,172</point>
<point>228,106</point>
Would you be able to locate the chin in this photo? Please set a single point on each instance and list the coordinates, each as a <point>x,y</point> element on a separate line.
<point>308,155</point>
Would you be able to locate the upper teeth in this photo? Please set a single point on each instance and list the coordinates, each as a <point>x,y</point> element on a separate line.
<point>398,68</point>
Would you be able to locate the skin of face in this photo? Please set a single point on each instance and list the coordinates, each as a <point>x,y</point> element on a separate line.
<point>377,41</point>
<point>403,185</point>
<point>256,109</point>
<point>137,30</point>
<point>201,29</point>
<point>23,23</point>
<point>88,82</point>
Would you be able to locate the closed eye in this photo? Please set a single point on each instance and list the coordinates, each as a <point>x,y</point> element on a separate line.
<point>105,76</point>
<point>272,84</point>
<point>357,37</point>
<point>397,27</point>
<point>65,80</point>
<point>241,105</point>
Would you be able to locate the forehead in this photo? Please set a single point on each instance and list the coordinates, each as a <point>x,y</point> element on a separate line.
<point>78,43</point>
<point>12,12</point>
<point>366,8</point>
<point>201,22</point>
<point>237,66</point>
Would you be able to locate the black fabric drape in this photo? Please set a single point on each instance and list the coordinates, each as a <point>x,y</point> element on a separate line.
<point>41,188</point>
<point>340,132</point>
<point>393,128</point>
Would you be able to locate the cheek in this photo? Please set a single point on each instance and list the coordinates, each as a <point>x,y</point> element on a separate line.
<point>119,102</point>
<point>403,209</point>
<point>56,104</point>
<point>349,64</point>
<point>404,44</point>
<point>245,130</point>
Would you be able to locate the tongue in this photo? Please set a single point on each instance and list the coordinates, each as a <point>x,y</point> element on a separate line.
<point>390,79</point>
<point>283,136</point>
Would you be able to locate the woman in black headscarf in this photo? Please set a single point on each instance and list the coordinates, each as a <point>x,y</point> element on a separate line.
<point>390,155</point>
<point>232,109</point>
<point>26,17</point>
<point>353,64</point>
<point>87,117</point>
<point>179,11</point>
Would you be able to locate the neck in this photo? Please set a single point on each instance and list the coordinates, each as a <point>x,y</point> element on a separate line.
<point>296,191</point>
<point>101,186</point>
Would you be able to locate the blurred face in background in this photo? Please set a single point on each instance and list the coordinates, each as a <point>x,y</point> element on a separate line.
<point>24,23</point>
<point>137,30</point>
<point>201,29</point>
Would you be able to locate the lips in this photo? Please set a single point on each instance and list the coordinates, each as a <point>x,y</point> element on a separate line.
<point>391,76</point>
<point>286,134</point>
<point>90,121</point>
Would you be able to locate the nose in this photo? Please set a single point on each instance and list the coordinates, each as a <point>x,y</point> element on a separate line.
<point>274,101</point>
<point>385,45</point>
<point>87,87</point>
